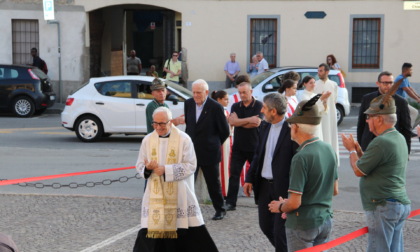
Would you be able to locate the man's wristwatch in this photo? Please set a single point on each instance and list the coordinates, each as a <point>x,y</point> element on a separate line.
<point>280,208</point>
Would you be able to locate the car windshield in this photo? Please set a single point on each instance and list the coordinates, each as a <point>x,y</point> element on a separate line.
<point>179,88</point>
<point>259,78</point>
<point>38,72</point>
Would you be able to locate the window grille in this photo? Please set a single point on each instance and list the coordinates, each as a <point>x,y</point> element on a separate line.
<point>366,43</point>
<point>264,38</point>
<point>25,35</point>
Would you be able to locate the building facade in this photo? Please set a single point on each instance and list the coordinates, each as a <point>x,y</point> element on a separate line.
<point>366,37</point>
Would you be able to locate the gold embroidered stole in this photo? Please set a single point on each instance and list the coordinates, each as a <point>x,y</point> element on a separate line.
<point>163,195</point>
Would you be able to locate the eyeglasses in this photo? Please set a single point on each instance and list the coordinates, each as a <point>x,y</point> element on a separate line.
<point>174,55</point>
<point>386,82</point>
<point>162,124</point>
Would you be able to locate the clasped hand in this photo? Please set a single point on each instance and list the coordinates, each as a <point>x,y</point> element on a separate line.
<point>274,206</point>
<point>155,167</point>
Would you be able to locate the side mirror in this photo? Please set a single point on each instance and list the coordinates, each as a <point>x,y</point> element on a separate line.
<point>172,98</point>
<point>269,87</point>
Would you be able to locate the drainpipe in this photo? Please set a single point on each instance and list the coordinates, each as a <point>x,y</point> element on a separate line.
<point>60,85</point>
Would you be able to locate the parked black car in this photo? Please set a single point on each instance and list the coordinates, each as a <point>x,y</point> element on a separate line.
<point>25,90</point>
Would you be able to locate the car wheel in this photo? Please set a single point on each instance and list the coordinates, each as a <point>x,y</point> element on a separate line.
<point>89,129</point>
<point>23,106</point>
<point>340,114</point>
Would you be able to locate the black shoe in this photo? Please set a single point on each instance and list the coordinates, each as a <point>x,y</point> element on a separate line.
<point>230,207</point>
<point>219,215</point>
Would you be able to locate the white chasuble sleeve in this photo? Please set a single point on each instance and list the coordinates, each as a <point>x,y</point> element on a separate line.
<point>140,164</point>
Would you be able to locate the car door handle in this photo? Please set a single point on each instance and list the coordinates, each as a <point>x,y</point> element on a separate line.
<point>100,103</point>
<point>141,104</point>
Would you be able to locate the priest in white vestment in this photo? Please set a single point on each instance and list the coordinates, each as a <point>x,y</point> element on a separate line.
<point>171,218</point>
<point>329,119</point>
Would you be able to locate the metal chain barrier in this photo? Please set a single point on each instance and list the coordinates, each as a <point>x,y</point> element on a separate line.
<point>74,185</point>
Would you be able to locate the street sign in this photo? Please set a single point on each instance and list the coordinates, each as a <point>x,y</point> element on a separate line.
<point>411,5</point>
<point>48,9</point>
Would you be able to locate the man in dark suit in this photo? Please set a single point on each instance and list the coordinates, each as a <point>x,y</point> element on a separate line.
<point>403,125</point>
<point>268,175</point>
<point>207,126</point>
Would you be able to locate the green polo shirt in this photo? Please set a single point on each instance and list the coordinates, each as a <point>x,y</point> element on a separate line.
<point>312,174</point>
<point>149,113</point>
<point>384,165</point>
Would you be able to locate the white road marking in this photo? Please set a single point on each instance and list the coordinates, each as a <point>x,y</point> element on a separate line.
<point>112,239</point>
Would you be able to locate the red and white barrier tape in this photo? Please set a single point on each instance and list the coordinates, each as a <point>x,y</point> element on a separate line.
<point>317,248</point>
<point>24,180</point>
<point>346,238</point>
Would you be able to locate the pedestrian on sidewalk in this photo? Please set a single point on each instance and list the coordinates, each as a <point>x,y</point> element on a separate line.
<point>403,124</point>
<point>405,90</point>
<point>313,182</point>
<point>382,171</point>
<point>232,70</point>
<point>246,118</point>
<point>207,126</point>
<point>268,175</point>
<point>224,166</point>
<point>171,218</point>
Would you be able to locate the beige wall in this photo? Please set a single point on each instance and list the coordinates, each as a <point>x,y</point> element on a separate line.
<point>212,29</point>
<point>217,28</point>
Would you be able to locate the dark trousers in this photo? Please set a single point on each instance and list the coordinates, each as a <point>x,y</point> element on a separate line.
<point>192,239</point>
<point>230,83</point>
<point>271,224</point>
<point>237,162</point>
<point>211,175</point>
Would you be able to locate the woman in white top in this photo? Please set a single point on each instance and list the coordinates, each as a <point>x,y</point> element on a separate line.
<point>288,89</point>
<point>224,166</point>
<point>309,84</point>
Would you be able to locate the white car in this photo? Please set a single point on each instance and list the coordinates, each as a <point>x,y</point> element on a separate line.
<point>270,81</point>
<point>116,105</point>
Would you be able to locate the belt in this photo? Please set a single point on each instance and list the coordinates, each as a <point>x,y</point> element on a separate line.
<point>268,180</point>
<point>392,200</point>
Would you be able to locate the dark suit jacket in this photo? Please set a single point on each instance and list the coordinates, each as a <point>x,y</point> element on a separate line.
<point>403,125</point>
<point>282,158</point>
<point>209,132</point>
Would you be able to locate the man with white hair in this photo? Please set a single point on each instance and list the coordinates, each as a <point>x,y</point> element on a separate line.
<point>171,218</point>
<point>262,63</point>
<point>207,126</point>
<point>232,70</point>
<point>313,182</point>
<point>382,171</point>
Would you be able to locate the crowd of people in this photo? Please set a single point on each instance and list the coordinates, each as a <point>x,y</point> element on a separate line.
<point>287,148</point>
<point>284,151</point>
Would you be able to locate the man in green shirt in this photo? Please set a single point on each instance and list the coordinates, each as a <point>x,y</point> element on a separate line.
<point>313,182</point>
<point>382,172</point>
<point>159,93</point>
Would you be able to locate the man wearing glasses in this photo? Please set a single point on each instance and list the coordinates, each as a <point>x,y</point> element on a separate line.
<point>170,214</point>
<point>173,68</point>
<point>403,124</point>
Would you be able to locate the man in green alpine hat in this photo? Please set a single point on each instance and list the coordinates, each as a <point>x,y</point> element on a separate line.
<point>313,182</point>
<point>382,172</point>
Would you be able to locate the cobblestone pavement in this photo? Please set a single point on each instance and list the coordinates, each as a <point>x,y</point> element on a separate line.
<point>81,223</point>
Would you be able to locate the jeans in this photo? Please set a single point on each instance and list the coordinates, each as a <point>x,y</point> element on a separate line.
<point>385,226</point>
<point>298,239</point>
